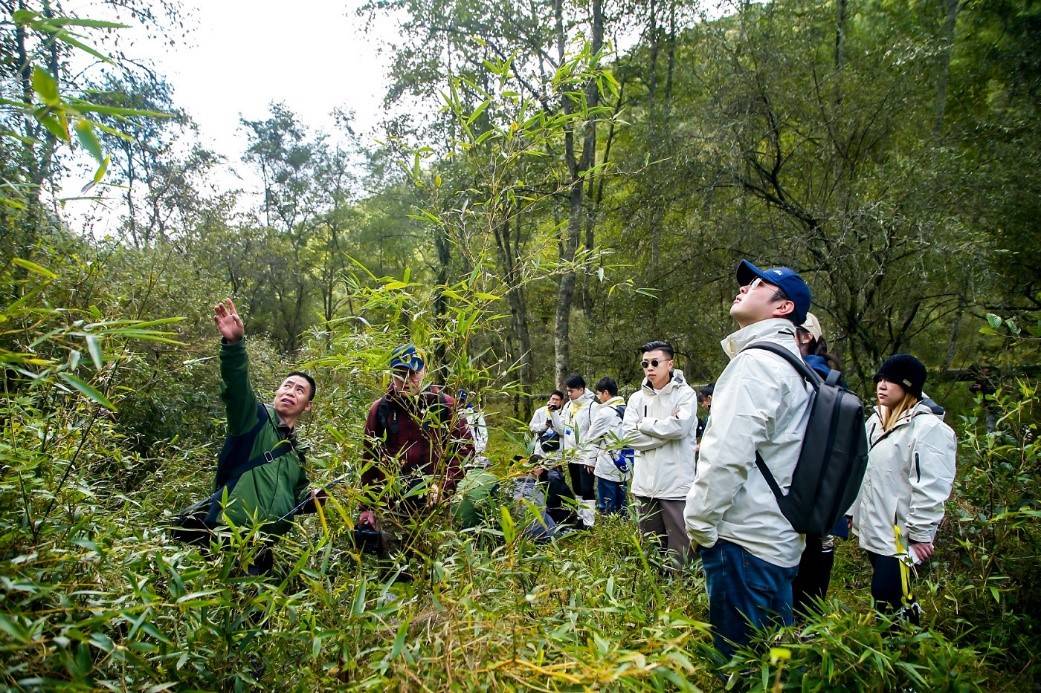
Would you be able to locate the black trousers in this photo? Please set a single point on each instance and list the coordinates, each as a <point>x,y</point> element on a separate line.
<point>556,491</point>
<point>811,582</point>
<point>583,483</point>
<point>886,589</point>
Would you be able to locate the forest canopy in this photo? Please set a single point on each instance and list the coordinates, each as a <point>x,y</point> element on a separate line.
<point>553,184</point>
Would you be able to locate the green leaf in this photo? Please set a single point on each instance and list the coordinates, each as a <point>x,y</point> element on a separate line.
<point>102,642</point>
<point>34,268</point>
<point>88,140</point>
<point>91,23</point>
<point>66,37</point>
<point>46,87</point>
<point>94,347</point>
<point>994,320</point>
<point>24,17</point>
<point>84,106</point>
<point>88,391</point>
<point>56,125</point>
<point>98,175</point>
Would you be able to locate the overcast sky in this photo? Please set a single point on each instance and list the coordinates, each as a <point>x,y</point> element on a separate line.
<point>241,55</point>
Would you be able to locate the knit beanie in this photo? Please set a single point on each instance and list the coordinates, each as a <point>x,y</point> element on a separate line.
<point>904,370</point>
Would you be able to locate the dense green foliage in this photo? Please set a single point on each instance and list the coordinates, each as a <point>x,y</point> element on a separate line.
<point>554,202</point>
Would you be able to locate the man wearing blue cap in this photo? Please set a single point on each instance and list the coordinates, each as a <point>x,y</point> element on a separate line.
<point>749,550</point>
<point>414,436</point>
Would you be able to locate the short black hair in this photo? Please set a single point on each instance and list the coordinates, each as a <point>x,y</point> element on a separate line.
<point>608,384</point>
<point>308,378</point>
<point>706,391</point>
<point>658,345</point>
<point>558,393</point>
<point>575,381</point>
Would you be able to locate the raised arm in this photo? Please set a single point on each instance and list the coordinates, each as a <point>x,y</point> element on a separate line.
<point>239,401</point>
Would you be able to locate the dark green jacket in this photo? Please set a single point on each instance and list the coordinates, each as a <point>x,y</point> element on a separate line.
<point>272,490</point>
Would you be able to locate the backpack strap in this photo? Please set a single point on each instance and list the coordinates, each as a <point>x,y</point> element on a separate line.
<point>808,374</point>
<point>232,475</point>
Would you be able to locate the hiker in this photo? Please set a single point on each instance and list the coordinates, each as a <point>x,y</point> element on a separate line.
<point>909,477</point>
<point>818,558</point>
<point>572,422</point>
<point>262,464</point>
<point>414,447</point>
<point>545,488</point>
<point>659,426</point>
<point>612,461</point>
<point>478,426</point>
<point>749,550</point>
<point>547,440</point>
<point>814,348</point>
<point>705,402</point>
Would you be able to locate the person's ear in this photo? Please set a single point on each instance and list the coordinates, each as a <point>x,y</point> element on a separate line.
<point>307,407</point>
<point>784,308</point>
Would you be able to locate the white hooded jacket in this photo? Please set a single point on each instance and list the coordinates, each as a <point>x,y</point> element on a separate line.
<point>659,426</point>
<point>604,438</point>
<point>760,403</point>
<point>909,477</point>
<point>572,422</point>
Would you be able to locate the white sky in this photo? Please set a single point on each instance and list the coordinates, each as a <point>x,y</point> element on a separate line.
<point>241,55</point>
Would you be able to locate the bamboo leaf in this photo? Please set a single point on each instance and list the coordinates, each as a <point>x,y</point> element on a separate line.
<point>88,140</point>
<point>45,86</point>
<point>88,391</point>
<point>54,125</point>
<point>34,268</point>
<point>94,347</point>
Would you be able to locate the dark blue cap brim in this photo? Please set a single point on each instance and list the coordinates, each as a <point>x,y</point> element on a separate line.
<point>746,272</point>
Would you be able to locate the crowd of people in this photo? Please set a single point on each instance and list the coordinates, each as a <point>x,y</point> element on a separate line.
<point>702,489</point>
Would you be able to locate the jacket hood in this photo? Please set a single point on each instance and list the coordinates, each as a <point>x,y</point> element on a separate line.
<point>917,410</point>
<point>674,382</point>
<point>613,402</point>
<point>776,329</point>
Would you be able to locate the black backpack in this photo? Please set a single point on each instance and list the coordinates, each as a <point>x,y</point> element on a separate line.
<point>833,457</point>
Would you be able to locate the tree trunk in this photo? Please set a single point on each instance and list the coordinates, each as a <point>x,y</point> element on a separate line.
<point>950,23</point>
<point>444,259</point>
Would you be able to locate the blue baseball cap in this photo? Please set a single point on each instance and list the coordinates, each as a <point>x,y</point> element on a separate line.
<point>406,356</point>
<point>784,278</point>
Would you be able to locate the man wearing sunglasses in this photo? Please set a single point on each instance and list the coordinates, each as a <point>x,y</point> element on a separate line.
<point>749,550</point>
<point>659,425</point>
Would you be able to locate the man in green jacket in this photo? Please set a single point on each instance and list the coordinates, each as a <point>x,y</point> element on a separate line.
<point>261,466</point>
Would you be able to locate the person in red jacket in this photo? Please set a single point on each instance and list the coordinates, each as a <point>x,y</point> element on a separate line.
<point>415,443</point>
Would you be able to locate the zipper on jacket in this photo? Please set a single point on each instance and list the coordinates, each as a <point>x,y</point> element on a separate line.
<point>918,466</point>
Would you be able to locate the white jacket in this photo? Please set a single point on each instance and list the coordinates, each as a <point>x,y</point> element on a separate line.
<point>604,438</point>
<point>760,403</point>
<point>659,426</point>
<point>572,422</point>
<point>909,476</point>
<point>478,428</point>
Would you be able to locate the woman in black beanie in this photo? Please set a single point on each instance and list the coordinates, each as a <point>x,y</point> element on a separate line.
<point>909,477</point>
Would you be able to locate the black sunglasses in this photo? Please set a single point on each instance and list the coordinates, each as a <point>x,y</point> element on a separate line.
<point>653,363</point>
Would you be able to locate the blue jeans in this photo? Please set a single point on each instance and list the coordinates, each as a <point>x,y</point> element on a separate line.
<point>610,496</point>
<point>744,593</point>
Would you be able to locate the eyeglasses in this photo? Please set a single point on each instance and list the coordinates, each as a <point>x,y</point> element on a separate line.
<point>778,291</point>
<point>653,363</point>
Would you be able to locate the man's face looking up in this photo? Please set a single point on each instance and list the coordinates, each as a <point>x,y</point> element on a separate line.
<point>293,397</point>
